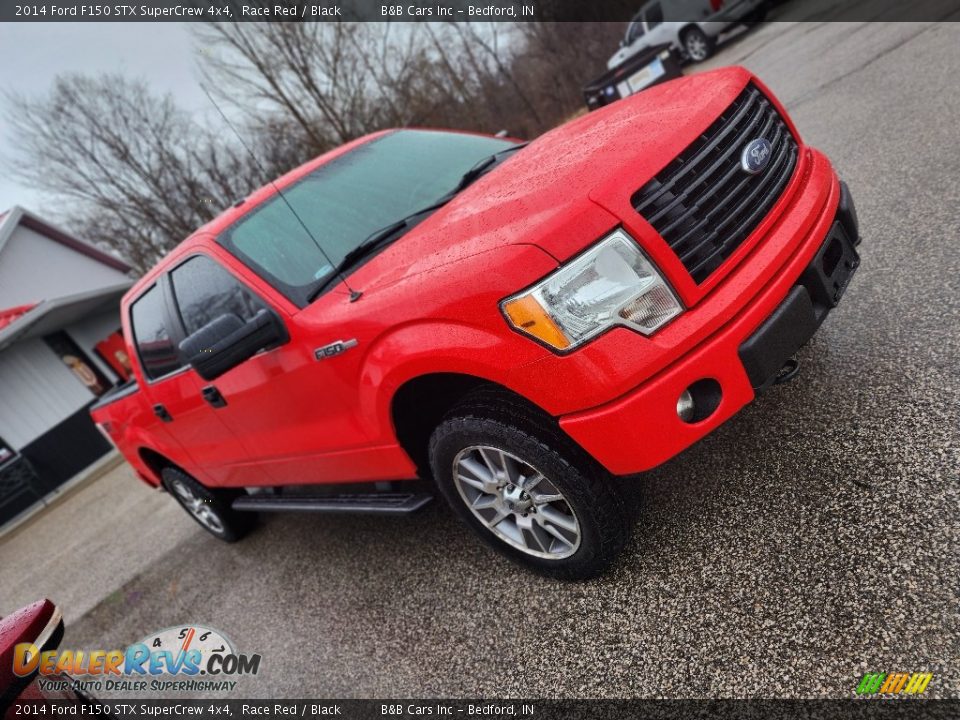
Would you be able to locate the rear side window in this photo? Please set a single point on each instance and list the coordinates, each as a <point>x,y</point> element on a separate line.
<point>205,290</point>
<point>654,15</point>
<point>158,354</point>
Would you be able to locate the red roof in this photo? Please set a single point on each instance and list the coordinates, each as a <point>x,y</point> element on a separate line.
<point>9,315</point>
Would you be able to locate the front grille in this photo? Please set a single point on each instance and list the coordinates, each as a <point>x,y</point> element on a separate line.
<point>703,204</point>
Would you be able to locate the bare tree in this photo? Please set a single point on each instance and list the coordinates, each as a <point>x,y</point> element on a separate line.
<point>137,174</point>
<point>332,81</point>
<point>556,59</point>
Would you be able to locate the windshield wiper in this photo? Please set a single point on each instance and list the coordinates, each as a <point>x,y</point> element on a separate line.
<point>482,168</point>
<point>390,232</point>
<point>372,243</point>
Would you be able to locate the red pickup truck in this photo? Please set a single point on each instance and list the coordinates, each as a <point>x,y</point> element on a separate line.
<point>519,322</point>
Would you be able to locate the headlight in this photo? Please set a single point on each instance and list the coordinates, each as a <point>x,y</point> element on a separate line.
<point>610,284</point>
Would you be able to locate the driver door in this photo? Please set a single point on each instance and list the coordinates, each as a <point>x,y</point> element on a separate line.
<point>281,405</point>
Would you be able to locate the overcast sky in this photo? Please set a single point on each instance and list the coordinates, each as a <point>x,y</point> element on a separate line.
<point>32,54</point>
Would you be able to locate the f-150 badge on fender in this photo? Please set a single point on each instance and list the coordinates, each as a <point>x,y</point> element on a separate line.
<point>334,348</point>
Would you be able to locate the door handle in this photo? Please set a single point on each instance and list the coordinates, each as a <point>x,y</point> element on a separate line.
<point>161,412</point>
<point>213,396</point>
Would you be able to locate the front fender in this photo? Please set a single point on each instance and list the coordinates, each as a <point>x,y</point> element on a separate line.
<point>433,347</point>
<point>466,336</point>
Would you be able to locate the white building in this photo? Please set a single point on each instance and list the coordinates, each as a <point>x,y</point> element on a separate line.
<point>59,350</point>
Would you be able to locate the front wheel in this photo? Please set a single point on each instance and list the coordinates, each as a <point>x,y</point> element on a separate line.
<point>523,486</point>
<point>697,44</point>
<point>211,509</point>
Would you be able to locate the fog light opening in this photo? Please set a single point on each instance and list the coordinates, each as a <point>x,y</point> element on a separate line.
<point>685,406</point>
<point>699,401</point>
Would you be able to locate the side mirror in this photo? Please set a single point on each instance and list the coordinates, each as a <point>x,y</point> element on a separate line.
<point>623,43</point>
<point>227,341</point>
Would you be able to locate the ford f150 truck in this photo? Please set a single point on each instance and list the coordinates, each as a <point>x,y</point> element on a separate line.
<point>520,323</point>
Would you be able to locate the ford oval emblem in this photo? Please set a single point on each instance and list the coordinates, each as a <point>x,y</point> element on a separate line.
<point>756,156</point>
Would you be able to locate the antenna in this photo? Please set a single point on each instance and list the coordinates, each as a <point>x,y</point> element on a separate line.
<point>354,294</point>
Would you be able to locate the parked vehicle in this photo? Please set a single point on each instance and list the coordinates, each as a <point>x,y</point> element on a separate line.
<point>520,323</point>
<point>656,65</point>
<point>690,27</point>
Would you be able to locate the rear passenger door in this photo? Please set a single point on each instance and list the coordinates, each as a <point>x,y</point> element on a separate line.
<point>157,362</point>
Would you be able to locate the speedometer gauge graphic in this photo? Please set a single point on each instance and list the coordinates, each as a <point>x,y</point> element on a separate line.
<point>185,638</point>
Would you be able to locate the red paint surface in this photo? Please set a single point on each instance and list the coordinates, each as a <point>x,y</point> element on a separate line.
<point>22,626</point>
<point>430,304</point>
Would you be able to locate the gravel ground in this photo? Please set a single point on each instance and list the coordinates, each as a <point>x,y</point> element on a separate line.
<point>811,539</point>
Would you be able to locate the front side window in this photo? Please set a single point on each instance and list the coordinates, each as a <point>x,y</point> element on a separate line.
<point>295,241</point>
<point>158,354</point>
<point>205,290</point>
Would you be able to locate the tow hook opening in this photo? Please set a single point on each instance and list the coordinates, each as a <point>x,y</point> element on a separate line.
<point>788,372</point>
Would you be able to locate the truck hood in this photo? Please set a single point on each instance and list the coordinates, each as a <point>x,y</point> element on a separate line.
<point>569,186</point>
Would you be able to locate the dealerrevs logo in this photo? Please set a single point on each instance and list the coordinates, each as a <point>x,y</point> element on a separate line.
<point>172,659</point>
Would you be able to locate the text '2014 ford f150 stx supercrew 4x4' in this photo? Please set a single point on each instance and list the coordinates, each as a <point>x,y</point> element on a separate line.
<point>520,322</point>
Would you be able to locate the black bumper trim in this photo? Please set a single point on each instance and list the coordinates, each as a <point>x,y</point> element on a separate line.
<point>787,330</point>
<point>817,292</point>
<point>847,214</point>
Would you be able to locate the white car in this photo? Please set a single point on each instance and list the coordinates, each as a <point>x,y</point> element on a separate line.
<point>690,26</point>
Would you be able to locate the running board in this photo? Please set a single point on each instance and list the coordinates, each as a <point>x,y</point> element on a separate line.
<point>367,504</point>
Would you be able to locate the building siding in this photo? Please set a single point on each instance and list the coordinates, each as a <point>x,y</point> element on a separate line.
<point>37,391</point>
<point>35,268</point>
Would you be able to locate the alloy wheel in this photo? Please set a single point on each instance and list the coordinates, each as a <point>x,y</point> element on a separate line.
<point>516,502</point>
<point>696,47</point>
<point>198,507</point>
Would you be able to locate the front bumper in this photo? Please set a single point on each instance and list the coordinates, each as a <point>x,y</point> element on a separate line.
<point>641,429</point>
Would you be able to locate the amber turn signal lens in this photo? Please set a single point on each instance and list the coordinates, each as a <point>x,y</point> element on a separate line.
<point>527,315</point>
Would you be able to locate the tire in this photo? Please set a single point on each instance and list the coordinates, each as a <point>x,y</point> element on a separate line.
<point>549,506</point>
<point>210,509</point>
<point>697,45</point>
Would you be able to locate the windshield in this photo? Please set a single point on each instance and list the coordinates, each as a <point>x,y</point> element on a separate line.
<point>345,200</point>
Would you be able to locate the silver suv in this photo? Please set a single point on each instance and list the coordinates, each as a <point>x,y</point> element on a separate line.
<point>689,26</point>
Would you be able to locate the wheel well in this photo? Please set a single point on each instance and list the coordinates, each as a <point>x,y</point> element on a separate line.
<point>686,29</point>
<point>420,404</point>
<point>156,462</point>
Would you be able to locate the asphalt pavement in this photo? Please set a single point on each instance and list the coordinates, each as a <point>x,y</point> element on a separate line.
<point>811,539</point>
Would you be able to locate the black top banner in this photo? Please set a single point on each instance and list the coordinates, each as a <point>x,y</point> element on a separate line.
<point>396,709</point>
<point>475,10</point>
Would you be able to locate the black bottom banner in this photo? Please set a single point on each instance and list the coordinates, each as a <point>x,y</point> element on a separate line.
<point>868,709</point>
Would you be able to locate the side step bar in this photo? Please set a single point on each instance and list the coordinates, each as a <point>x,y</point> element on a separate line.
<point>367,503</point>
